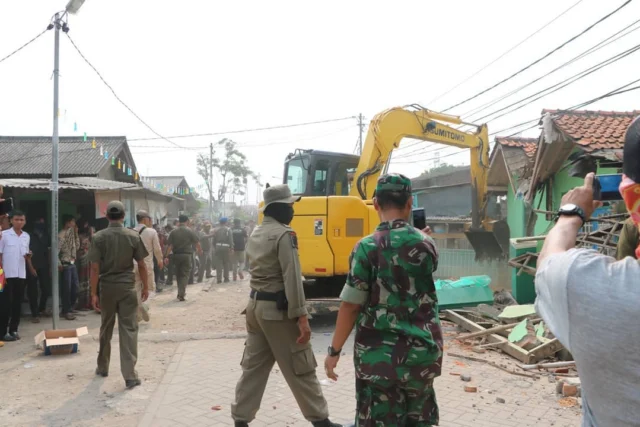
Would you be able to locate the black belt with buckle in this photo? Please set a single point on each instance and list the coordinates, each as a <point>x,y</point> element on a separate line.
<point>263,296</point>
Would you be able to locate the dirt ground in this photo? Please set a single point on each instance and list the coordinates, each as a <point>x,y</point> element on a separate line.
<point>63,390</point>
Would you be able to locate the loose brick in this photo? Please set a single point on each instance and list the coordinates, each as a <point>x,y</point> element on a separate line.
<point>470,389</point>
<point>562,371</point>
<point>569,390</point>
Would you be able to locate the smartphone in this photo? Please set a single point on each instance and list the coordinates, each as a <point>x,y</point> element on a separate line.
<point>419,218</point>
<point>597,189</point>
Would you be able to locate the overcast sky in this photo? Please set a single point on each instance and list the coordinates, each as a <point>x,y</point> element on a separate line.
<point>199,66</point>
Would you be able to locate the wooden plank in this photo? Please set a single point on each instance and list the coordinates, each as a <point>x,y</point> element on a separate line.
<point>546,349</point>
<point>490,363</point>
<point>511,349</point>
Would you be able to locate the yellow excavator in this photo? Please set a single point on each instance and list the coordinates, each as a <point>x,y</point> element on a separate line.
<point>336,209</point>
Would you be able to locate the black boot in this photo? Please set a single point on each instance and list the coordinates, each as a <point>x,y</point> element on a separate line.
<point>241,424</point>
<point>325,423</point>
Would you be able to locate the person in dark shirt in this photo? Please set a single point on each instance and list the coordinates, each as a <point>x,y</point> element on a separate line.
<point>240,237</point>
<point>39,284</point>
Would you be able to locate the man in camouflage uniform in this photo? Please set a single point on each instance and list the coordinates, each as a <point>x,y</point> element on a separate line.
<point>391,293</point>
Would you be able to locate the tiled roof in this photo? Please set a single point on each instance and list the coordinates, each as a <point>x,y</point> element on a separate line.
<point>594,130</point>
<point>31,155</point>
<point>529,145</point>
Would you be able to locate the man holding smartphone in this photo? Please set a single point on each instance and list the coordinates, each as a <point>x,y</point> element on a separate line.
<point>590,301</point>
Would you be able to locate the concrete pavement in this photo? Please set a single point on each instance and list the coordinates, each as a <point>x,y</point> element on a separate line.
<point>203,374</point>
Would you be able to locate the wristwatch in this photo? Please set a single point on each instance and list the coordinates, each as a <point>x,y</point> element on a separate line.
<point>333,352</point>
<point>571,210</point>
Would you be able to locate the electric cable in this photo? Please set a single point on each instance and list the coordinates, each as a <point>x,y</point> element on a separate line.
<point>592,49</point>
<point>194,135</point>
<point>504,54</point>
<point>25,45</point>
<point>548,54</point>
<point>116,95</point>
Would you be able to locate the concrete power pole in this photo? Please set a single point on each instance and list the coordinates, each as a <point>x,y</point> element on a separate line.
<point>211,181</point>
<point>361,126</point>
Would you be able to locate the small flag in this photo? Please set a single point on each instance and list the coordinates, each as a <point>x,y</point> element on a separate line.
<point>93,143</point>
<point>113,161</point>
<point>75,127</point>
<point>119,164</point>
<point>101,150</point>
<point>106,155</point>
<point>124,167</point>
<point>129,171</point>
<point>85,137</point>
<point>136,177</point>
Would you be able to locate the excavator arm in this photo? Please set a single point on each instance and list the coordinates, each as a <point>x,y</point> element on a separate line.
<point>389,127</point>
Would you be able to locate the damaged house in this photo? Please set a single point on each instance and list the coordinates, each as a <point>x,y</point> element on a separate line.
<point>539,171</point>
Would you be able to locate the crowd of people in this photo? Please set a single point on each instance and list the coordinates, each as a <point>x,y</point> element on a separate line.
<point>25,262</point>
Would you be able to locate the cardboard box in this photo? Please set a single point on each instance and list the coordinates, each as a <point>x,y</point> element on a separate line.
<point>60,341</point>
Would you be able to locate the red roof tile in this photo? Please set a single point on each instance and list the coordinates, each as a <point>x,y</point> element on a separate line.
<point>529,145</point>
<point>594,130</point>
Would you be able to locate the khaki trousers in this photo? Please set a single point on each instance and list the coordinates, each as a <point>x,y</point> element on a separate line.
<point>119,299</point>
<point>268,342</point>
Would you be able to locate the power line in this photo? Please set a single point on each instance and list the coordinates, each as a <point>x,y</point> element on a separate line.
<point>504,54</point>
<point>248,130</point>
<point>25,45</point>
<point>541,58</point>
<point>116,95</point>
<point>561,85</point>
<point>618,91</point>
<point>587,52</point>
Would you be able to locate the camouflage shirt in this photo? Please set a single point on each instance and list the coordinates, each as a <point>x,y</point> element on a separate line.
<point>398,335</point>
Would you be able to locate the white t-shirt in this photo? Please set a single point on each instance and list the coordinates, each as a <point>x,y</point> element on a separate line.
<point>591,303</point>
<point>13,249</point>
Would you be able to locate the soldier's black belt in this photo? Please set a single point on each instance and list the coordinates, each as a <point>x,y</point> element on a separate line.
<point>280,298</point>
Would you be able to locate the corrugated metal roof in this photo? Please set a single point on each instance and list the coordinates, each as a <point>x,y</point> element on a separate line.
<point>74,183</point>
<point>168,181</point>
<point>31,155</point>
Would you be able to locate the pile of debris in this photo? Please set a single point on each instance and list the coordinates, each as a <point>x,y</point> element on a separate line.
<point>604,240</point>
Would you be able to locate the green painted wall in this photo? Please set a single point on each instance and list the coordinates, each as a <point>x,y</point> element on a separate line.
<point>515,214</point>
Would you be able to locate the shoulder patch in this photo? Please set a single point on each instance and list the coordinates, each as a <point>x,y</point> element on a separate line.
<point>294,239</point>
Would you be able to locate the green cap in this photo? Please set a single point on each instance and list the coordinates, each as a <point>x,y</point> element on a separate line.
<point>393,182</point>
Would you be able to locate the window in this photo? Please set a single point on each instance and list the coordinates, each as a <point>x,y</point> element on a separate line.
<point>343,179</point>
<point>297,175</point>
<point>320,178</point>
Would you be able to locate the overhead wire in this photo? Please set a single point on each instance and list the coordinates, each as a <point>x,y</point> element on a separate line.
<point>116,95</point>
<point>548,54</point>
<point>505,53</point>
<point>194,135</point>
<point>24,45</point>
<point>560,85</point>
<point>618,91</point>
<point>592,49</point>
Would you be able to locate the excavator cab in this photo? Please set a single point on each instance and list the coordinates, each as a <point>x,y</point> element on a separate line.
<point>319,173</point>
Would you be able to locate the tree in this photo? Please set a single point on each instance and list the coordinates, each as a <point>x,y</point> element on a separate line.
<point>441,169</point>
<point>202,166</point>
<point>233,170</point>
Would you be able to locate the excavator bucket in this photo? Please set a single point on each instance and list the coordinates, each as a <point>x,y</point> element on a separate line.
<point>490,245</point>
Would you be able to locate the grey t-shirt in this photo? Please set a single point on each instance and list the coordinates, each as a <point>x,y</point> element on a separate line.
<point>591,303</point>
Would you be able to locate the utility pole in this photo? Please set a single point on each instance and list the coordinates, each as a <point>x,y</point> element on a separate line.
<point>211,181</point>
<point>59,23</point>
<point>361,126</point>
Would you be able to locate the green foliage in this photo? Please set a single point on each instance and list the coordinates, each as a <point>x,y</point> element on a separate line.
<point>231,166</point>
<point>441,169</point>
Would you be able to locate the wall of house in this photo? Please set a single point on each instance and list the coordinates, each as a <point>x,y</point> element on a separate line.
<point>561,185</point>
<point>38,203</point>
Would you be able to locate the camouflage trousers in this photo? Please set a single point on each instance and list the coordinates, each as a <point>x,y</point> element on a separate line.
<point>396,404</point>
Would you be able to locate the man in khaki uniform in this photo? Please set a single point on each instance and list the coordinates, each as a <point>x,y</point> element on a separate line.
<point>112,253</point>
<point>151,242</point>
<point>277,318</point>
<point>181,241</point>
<point>223,247</point>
